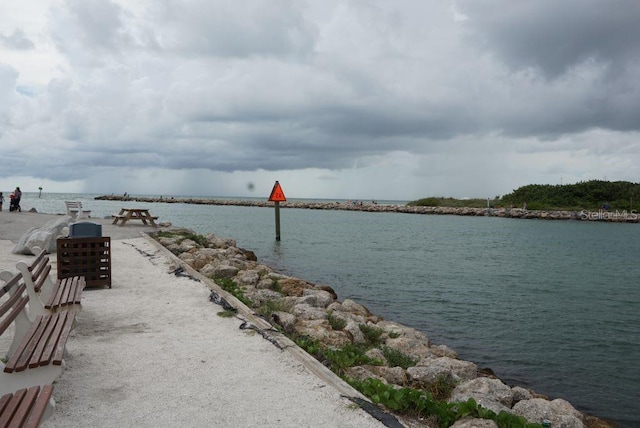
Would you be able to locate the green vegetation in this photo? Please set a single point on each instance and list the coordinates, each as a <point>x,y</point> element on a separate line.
<point>442,388</point>
<point>428,404</point>
<point>396,358</point>
<point>335,322</point>
<point>232,287</point>
<point>584,195</point>
<point>271,306</point>
<point>417,403</point>
<point>275,286</point>
<point>350,355</point>
<point>454,203</point>
<point>371,334</point>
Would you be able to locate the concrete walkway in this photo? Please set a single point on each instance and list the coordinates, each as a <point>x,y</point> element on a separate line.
<point>152,352</point>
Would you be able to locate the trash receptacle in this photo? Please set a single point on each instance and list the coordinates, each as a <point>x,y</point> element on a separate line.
<point>86,256</point>
<point>85,229</point>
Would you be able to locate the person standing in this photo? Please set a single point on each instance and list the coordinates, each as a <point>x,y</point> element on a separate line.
<point>1,200</point>
<point>17,196</point>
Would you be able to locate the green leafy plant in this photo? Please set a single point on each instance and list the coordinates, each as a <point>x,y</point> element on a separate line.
<point>271,306</point>
<point>397,358</point>
<point>349,355</point>
<point>371,334</point>
<point>418,403</point>
<point>275,285</point>
<point>310,345</point>
<point>232,287</point>
<point>336,323</point>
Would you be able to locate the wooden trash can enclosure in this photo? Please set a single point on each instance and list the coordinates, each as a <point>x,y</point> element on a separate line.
<point>90,257</point>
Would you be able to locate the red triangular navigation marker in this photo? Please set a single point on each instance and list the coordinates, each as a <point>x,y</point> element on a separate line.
<point>277,195</point>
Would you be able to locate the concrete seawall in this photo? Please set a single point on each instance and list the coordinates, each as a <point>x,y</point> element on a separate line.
<point>585,215</point>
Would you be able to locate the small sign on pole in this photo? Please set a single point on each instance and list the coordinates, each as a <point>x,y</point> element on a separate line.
<point>277,196</point>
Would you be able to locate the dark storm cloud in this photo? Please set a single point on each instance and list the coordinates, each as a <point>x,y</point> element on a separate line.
<point>556,36</point>
<point>572,64</point>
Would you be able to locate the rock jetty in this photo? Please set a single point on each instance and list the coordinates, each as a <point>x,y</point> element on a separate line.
<point>585,215</point>
<point>302,309</point>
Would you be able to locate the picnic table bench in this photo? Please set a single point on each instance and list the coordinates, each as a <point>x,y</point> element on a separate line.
<point>45,295</point>
<point>74,210</point>
<point>27,407</point>
<point>35,355</point>
<point>127,214</point>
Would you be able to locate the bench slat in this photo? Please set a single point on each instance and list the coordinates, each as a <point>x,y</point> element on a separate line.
<point>37,260</point>
<point>81,283</point>
<point>17,406</point>
<point>37,413</point>
<point>26,407</point>
<point>13,306</point>
<point>65,295</point>
<point>49,342</point>
<point>20,358</point>
<point>25,404</point>
<point>9,405</point>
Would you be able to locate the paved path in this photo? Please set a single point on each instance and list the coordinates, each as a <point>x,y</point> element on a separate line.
<point>152,352</point>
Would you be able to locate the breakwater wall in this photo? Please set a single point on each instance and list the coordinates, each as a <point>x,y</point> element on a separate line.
<point>585,215</point>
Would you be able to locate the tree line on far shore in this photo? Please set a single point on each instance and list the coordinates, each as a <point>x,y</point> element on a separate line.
<point>584,195</point>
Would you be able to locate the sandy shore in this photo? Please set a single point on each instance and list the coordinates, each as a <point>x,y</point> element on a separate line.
<point>152,352</point>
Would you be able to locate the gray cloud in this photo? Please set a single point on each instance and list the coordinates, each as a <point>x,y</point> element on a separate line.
<point>556,37</point>
<point>17,40</point>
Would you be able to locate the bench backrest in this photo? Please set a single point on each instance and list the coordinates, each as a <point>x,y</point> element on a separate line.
<point>73,208</point>
<point>39,269</point>
<point>13,302</point>
<point>36,277</point>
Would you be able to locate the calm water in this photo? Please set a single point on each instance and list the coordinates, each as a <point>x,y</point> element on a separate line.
<point>548,305</point>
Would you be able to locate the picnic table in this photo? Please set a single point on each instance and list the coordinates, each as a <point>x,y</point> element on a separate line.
<point>127,214</point>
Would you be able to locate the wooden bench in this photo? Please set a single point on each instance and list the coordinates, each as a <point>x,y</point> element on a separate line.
<point>74,210</point>
<point>45,295</point>
<point>27,407</point>
<point>35,355</point>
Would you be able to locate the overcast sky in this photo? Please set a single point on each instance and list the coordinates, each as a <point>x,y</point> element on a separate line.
<point>363,99</point>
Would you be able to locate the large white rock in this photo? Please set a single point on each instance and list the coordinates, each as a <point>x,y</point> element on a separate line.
<point>431,370</point>
<point>559,412</point>
<point>42,237</point>
<point>492,394</point>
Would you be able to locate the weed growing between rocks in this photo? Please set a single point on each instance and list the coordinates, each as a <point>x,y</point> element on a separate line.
<point>421,404</point>
<point>336,323</point>
<point>271,306</point>
<point>396,358</point>
<point>372,335</point>
<point>232,288</point>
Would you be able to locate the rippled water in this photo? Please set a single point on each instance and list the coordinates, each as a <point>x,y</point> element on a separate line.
<point>550,305</point>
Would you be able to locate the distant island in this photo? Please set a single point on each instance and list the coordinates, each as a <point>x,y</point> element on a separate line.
<point>590,195</point>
